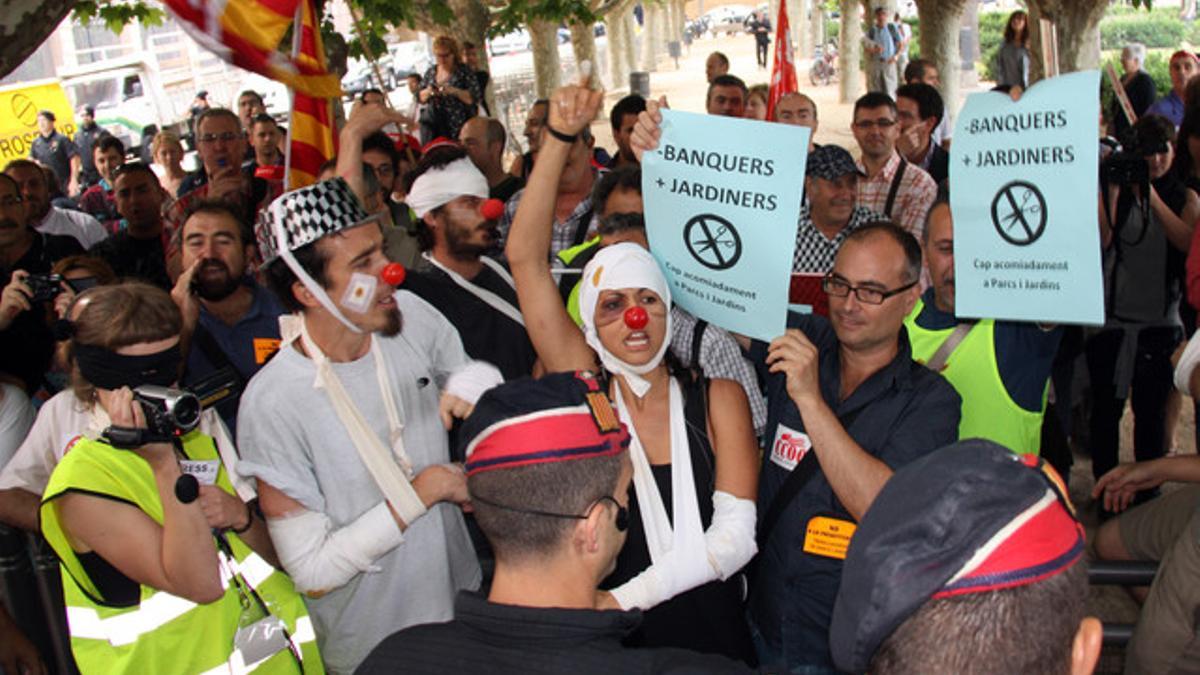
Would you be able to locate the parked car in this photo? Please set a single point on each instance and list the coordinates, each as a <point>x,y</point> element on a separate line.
<point>516,41</point>
<point>408,58</point>
<point>728,19</point>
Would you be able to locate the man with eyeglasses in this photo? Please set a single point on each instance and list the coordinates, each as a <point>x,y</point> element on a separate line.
<point>557,521</point>
<point>895,187</point>
<point>221,144</point>
<point>1001,369</point>
<point>830,212</point>
<point>847,406</point>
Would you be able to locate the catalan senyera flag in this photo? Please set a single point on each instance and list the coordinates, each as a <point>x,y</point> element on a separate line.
<point>247,34</point>
<point>311,140</point>
<point>783,70</point>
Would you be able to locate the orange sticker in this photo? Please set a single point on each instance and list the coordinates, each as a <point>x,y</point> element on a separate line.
<point>828,537</point>
<point>264,348</point>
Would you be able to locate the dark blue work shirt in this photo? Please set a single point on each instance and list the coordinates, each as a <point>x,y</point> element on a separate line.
<point>898,414</point>
<point>247,344</point>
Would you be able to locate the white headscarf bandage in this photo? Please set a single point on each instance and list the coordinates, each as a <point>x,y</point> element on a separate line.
<point>438,186</point>
<point>623,265</point>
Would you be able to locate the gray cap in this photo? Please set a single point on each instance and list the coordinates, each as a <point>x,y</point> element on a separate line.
<point>831,162</point>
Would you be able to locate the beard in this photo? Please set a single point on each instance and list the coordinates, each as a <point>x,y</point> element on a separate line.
<point>393,322</point>
<point>458,239</point>
<point>215,289</point>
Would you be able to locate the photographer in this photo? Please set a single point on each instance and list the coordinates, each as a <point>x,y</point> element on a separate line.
<point>26,345</point>
<point>158,580</point>
<point>1146,226</point>
<point>449,92</point>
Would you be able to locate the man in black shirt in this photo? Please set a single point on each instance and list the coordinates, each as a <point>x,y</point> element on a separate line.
<point>85,139</point>
<point>26,344</point>
<point>473,291</point>
<point>58,152</point>
<point>557,520</point>
<point>138,250</point>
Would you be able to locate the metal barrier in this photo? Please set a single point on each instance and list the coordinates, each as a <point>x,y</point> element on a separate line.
<point>1120,573</point>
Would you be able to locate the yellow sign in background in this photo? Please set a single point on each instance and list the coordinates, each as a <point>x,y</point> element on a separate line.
<point>19,106</point>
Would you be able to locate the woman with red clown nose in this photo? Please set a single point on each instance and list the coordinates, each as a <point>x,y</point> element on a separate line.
<point>695,459</point>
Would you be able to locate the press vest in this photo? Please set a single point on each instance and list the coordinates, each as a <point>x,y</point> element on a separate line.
<point>575,257</point>
<point>987,409</point>
<point>164,633</point>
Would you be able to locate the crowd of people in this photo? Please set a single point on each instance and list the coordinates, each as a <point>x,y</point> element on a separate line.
<point>433,413</point>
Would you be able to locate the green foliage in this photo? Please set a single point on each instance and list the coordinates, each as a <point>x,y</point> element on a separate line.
<point>1157,30</point>
<point>519,13</point>
<point>116,16</point>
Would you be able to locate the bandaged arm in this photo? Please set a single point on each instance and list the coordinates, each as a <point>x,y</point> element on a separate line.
<point>320,558</point>
<point>729,544</point>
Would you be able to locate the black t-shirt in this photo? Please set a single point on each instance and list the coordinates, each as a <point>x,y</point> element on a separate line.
<point>28,345</point>
<point>487,334</point>
<point>506,188</point>
<point>138,258</point>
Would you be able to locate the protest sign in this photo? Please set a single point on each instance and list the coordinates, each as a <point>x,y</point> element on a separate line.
<point>20,104</point>
<point>1024,185</point>
<point>722,200</point>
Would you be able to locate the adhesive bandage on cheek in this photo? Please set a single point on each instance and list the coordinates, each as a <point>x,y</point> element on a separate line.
<point>360,293</point>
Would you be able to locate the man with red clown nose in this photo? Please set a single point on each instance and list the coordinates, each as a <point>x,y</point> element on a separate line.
<point>345,429</point>
<point>457,225</point>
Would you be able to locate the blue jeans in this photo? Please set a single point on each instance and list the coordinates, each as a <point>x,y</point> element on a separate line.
<point>772,661</point>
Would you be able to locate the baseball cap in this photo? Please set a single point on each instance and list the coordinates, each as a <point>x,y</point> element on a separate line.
<point>969,518</point>
<point>830,162</point>
<point>557,418</point>
<point>47,114</point>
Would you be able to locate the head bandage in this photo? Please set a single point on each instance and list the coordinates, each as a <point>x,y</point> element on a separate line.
<point>439,186</point>
<point>619,266</point>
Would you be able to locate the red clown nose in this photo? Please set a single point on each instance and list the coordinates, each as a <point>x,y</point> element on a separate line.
<point>636,318</point>
<point>393,274</point>
<point>492,209</point>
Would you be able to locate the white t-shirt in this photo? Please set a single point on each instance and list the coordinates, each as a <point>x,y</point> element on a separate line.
<point>291,437</point>
<point>16,416</point>
<point>64,222</point>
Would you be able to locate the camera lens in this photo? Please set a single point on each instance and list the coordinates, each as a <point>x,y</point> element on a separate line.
<point>186,412</point>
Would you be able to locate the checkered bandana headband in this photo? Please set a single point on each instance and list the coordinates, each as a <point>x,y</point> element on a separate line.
<point>307,215</point>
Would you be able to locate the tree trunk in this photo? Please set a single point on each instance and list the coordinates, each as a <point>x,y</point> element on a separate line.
<point>24,26</point>
<point>940,23</point>
<point>1187,10</point>
<point>630,32</point>
<point>799,17</point>
<point>546,67</point>
<point>816,27</point>
<point>652,16</point>
<point>583,44</point>
<point>851,85</point>
<point>1078,28</point>
<point>618,66</point>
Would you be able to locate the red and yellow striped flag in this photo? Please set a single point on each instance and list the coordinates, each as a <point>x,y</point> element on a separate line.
<point>311,140</point>
<point>247,34</point>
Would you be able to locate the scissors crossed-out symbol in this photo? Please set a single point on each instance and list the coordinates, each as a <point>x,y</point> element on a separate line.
<point>1019,213</point>
<point>712,241</point>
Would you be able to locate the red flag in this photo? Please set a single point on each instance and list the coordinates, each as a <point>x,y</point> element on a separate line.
<point>783,71</point>
<point>311,139</point>
<point>247,34</point>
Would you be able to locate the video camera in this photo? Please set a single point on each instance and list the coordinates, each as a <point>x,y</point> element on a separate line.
<point>1127,165</point>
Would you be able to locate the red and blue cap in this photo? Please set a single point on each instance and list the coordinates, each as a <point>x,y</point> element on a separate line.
<point>557,418</point>
<point>969,518</point>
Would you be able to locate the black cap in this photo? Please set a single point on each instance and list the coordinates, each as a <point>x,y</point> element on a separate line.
<point>47,114</point>
<point>830,162</point>
<point>202,94</point>
<point>969,518</point>
<point>89,110</point>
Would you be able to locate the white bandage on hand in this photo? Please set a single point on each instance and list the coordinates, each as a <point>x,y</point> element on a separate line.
<point>319,558</point>
<point>730,538</point>
<point>729,545</point>
<point>470,381</point>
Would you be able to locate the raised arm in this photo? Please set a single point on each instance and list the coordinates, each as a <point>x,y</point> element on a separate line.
<point>558,342</point>
<point>364,120</point>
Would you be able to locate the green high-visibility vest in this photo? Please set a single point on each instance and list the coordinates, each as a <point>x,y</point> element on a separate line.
<point>164,633</point>
<point>572,257</point>
<point>988,411</point>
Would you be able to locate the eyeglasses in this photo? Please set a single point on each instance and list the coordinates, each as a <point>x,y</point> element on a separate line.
<point>867,125</point>
<point>840,288</point>
<point>622,522</point>
<point>227,137</point>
